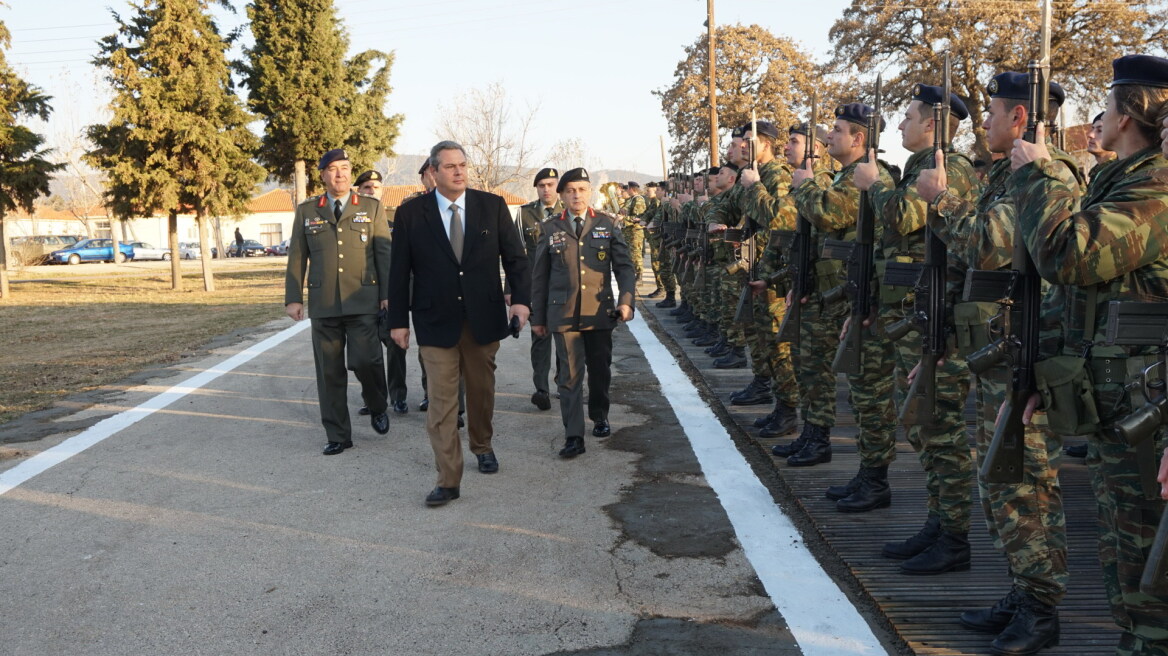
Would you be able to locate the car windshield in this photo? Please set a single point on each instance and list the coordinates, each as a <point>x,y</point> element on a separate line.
<point>251,243</point>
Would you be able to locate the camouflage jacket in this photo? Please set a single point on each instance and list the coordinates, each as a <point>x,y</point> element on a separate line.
<point>768,203</point>
<point>1114,248</point>
<point>833,209</point>
<point>634,208</point>
<point>774,256</point>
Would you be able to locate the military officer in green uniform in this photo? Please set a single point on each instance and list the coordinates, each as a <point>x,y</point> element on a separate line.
<point>579,254</point>
<point>531,217</point>
<point>341,241</point>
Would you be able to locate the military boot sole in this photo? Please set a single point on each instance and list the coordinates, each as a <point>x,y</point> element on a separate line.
<point>843,506</point>
<point>794,461</point>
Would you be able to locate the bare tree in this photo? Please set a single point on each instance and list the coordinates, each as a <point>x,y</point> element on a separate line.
<point>493,133</point>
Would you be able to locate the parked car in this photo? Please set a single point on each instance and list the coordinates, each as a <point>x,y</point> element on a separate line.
<point>190,250</point>
<point>92,250</point>
<point>35,249</point>
<point>278,249</point>
<point>250,247</point>
<point>144,251</point>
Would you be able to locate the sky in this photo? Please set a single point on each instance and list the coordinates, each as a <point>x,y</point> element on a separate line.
<point>588,67</point>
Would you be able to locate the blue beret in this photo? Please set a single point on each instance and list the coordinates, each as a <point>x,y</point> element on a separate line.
<point>765,129</point>
<point>1144,70</point>
<point>366,177</point>
<point>802,128</point>
<point>1016,86</point>
<point>332,156</point>
<point>931,95</point>
<point>544,174</point>
<point>737,133</point>
<point>575,175</point>
<point>858,113</point>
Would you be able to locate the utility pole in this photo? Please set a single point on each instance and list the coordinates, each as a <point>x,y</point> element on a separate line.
<point>713,94</point>
<point>664,170</point>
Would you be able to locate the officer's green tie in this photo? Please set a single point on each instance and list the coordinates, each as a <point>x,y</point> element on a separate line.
<point>456,232</point>
<point>337,210</point>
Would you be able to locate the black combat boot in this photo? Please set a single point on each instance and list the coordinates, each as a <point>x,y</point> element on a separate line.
<point>680,309</point>
<point>762,421</point>
<point>685,316</point>
<point>950,553</point>
<point>708,339</point>
<point>917,543</point>
<point>669,302</point>
<point>656,293</point>
<point>783,424</point>
<point>695,328</point>
<point>837,492</point>
<point>735,359</point>
<point>757,392</point>
<point>995,618</point>
<point>785,450</point>
<point>816,450</point>
<point>716,345</point>
<point>1034,627</point>
<point>873,492</point>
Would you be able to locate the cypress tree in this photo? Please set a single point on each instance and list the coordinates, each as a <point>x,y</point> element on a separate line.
<point>178,140</point>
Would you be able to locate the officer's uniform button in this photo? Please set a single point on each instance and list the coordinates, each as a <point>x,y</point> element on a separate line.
<point>460,273</point>
<point>340,243</point>
<point>581,257</point>
<point>341,255</point>
<point>340,270</point>
<point>583,286</point>
<point>460,298</point>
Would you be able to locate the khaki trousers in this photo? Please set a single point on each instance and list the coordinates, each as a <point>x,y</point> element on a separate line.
<point>475,363</point>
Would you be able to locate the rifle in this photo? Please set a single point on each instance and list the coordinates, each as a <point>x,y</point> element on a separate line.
<point>860,263</point>
<point>799,264</point>
<point>920,407</point>
<point>744,310</point>
<point>1146,324</point>
<point>1020,310</point>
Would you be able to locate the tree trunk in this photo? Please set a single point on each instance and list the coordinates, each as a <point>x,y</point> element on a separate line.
<point>219,247</point>
<point>172,238</point>
<point>205,253</point>
<point>114,239</point>
<point>299,183</point>
<point>4,292</point>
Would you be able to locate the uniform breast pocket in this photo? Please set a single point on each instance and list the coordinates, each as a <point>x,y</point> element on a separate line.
<point>315,236</point>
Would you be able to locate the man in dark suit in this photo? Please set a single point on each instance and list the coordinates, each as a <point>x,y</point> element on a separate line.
<point>341,239</point>
<point>579,253</point>
<point>531,216</point>
<point>450,243</point>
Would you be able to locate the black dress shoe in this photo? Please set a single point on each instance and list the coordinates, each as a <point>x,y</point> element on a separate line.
<point>573,447</point>
<point>363,411</point>
<point>380,422</point>
<point>541,400</point>
<point>461,421</point>
<point>440,496</point>
<point>400,407</point>
<point>488,463</point>
<point>333,448</point>
<point>424,405</point>
<point>600,429</point>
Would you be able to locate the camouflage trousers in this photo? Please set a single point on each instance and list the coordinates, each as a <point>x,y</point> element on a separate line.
<point>731,287</point>
<point>870,395</point>
<point>943,446</point>
<point>775,356</point>
<point>655,262</point>
<point>709,292</point>
<point>663,269</point>
<point>818,340</point>
<point>635,237</point>
<point>1129,516</point>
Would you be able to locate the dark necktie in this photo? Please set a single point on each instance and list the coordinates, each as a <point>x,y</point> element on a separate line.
<point>337,210</point>
<point>579,226</point>
<point>456,232</point>
<point>550,211</point>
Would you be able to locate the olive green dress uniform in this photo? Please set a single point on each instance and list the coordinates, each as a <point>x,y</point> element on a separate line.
<point>531,216</point>
<point>572,296</point>
<point>347,265</point>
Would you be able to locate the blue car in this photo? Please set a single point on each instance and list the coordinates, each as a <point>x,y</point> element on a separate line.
<point>92,250</point>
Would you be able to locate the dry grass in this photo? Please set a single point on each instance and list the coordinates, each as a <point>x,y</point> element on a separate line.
<point>66,333</point>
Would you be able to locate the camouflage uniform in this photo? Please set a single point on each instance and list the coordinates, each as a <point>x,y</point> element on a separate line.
<point>724,211</point>
<point>942,446</point>
<point>1113,249</point>
<point>666,276</point>
<point>654,217</point>
<point>833,210</point>
<point>633,210</point>
<point>771,207</point>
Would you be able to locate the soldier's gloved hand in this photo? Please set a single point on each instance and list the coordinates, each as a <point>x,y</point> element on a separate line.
<point>1163,476</point>
<point>295,311</point>
<point>933,182</point>
<point>866,173</point>
<point>748,177</point>
<point>1025,152</point>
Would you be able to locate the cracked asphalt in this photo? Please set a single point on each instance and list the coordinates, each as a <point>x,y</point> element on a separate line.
<point>215,526</point>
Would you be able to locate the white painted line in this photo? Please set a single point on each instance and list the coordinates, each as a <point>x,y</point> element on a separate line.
<point>818,613</point>
<point>112,425</point>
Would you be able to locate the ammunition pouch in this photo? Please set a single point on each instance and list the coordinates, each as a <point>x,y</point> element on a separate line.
<point>895,285</point>
<point>829,274</point>
<point>1067,394</point>
<point>971,327</point>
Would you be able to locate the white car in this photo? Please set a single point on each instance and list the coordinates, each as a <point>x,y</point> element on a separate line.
<point>189,250</point>
<point>144,251</point>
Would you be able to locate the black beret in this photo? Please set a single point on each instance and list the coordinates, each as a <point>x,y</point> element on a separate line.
<point>732,167</point>
<point>737,133</point>
<point>765,129</point>
<point>1097,117</point>
<point>1144,70</point>
<point>651,185</point>
<point>331,156</point>
<point>575,175</point>
<point>633,185</point>
<point>425,165</point>
<point>545,174</point>
<point>367,176</point>
<point>857,113</point>
<point>820,132</point>
<point>1016,86</point>
<point>931,95</point>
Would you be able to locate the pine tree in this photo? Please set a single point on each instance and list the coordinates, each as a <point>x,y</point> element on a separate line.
<point>24,170</point>
<point>178,139</point>
<point>309,96</point>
